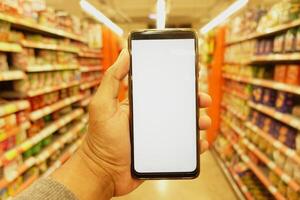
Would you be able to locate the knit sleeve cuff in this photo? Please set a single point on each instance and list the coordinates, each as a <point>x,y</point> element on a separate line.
<point>46,189</point>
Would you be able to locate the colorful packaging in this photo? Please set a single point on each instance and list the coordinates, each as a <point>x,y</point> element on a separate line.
<point>284,102</point>
<point>257,94</point>
<point>297,43</point>
<point>280,73</point>
<point>278,46</point>
<point>293,74</point>
<point>3,62</point>
<point>290,38</point>
<point>269,97</point>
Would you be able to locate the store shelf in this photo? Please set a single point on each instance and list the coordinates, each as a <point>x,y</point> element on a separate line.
<point>55,47</point>
<point>63,158</point>
<point>233,111</point>
<point>237,94</point>
<point>272,166</point>
<point>13,106</point>
<point>90,69</point>
<point>241,185</point>
<point>60,142</point>
<point>24,167</point>
<point>260,175</point>
<point>50,67</point>
<point>276,57</point>
<point>285,118</point>
<point>88,55</point>
<point>290,153</point>
<point>14,130</point>
<point>12,75</point>
<point>35,115</point>
<point>266,83</point>
<point>44,155</point>
<point>50,129</point>
<point>35,27</point>
<point>26,184</point>
<point>87,85</point>
<point>236,129</point>
<point>48,89</point>
<point>238,188</point>
<point>10,47</point>
<point>269,31</point>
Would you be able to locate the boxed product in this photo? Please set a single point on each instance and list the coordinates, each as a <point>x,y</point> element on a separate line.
<point>23,59</point>
<point>4,30</point>
<point>284,102</point>
<point>290,39</point>
<point>3,62</point>
<point>257,94</point>
<point>269,97</point>
<point>293,74</point>
<point>280,73</point>
<point>287,136</point>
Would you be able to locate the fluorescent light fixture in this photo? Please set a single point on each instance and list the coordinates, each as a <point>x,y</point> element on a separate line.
<point>223,16</point>
<point>160,14</point>
<point>99,16</point>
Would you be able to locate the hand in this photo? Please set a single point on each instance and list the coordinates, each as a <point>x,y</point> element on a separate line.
<point>106,149</point>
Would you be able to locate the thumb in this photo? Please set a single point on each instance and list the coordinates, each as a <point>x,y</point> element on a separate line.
<point>106,97</point>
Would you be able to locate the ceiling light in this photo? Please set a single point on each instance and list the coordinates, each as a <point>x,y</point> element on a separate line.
<point>99,16</point>
<point>224,15</point>
<point>160,14</point>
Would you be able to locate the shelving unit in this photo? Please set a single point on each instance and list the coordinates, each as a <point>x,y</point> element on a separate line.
<point>267,32</point>
<point>55,47</point>
<point>43,114</point>
<point>12,75</point>
<point>48,68</point>
<point>33,26</point>
<point>259,118</point>
<point>10,47</point>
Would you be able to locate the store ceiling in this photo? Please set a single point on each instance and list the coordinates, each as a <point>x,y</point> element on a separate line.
<point>129,12</point>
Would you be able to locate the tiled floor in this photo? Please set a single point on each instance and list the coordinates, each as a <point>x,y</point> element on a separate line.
<point>211,185</point>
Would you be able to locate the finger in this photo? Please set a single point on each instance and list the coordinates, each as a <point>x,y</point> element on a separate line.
<point>203,145</point>
<point>204,100</point>
<point>124,106</point>
<point>204,122</point>
<point>109,89</point>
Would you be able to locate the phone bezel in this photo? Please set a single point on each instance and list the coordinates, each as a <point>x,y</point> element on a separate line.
<point>164,34</point>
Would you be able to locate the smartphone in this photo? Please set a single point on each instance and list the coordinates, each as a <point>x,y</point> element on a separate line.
<point>164,104</point>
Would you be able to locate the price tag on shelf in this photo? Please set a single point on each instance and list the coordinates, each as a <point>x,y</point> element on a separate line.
<point>277,144</point>
<point>56,145</point>
<point>30,162</point>
<point>10,108</point>
<point>290,153</point>
<point>244,188</point>
<point>295,123</point>
<point>47,110</point>
<point>279,116</point>
<point>11,154</point>
<point>271,165</point>
<point>285,178</point>
<point>272,189</point>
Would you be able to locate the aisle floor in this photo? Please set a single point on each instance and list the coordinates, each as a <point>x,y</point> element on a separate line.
<point>211,185</point>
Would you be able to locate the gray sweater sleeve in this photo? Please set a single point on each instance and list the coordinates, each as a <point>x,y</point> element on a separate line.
<point>46,189</point>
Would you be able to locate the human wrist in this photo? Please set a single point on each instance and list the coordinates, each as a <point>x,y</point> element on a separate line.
<point>85,178</point>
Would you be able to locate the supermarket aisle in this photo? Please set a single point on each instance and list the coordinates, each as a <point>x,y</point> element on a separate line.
<point>211,185</point>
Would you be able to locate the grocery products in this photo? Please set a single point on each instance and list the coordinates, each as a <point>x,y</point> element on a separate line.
<point>42,118</point>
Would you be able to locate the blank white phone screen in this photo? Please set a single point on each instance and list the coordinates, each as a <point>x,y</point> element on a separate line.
<point>164,105</point>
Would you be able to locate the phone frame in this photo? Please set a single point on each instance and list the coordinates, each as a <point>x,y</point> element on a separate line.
<point>151,34</point>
